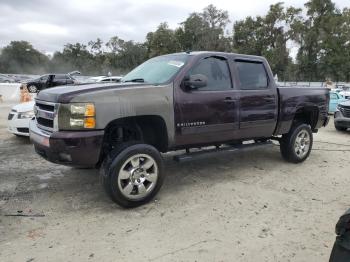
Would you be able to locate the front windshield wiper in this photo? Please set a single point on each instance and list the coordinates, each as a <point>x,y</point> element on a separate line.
<point>138,80</point>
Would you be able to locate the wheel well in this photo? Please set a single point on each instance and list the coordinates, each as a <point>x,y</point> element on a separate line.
<point>307,115</point>
<point>149,129</point>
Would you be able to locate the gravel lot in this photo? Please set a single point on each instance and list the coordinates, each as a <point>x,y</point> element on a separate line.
<point>250,206</point>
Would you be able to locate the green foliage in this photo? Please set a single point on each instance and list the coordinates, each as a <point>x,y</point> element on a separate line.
<point>204,31</point>
<point>267,36</point>
<point>162,41</point>
<point>20,56</point>
<point>321,33</point>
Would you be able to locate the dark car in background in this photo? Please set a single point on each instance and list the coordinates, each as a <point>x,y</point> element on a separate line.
<point>342,116</point>
<point>47,81</point>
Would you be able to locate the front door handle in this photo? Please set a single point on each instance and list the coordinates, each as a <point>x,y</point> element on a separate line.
<point>229,100</point>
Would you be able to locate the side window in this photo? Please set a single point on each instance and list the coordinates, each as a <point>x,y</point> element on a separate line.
<point>217,72</point>
<point>60,77</point>
<point>252,75</point>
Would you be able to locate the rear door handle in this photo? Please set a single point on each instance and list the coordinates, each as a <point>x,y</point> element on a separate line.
<point>229,100</point>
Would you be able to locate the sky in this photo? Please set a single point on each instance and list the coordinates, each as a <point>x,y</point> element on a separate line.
<point>48,24</point>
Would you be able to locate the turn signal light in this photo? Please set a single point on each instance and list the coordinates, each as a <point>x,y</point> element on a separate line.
<point>89,110</point>
<point>89,122</point>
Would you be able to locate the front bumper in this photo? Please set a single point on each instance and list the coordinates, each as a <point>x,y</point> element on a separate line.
<point>341,120</point>
<point>71,148</point>
<point>18,126</point>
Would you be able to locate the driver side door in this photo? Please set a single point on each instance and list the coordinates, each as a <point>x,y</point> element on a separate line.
<point>207,114</point>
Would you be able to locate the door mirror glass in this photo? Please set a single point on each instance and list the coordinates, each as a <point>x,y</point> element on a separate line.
<point>195,81</point>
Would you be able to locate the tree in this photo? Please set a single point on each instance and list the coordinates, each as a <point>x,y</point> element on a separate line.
<point>20,56</point>
<point>320,51</point>
<point>205,31</point>
<point>162,41</point>
<point>125,55</point>
<point>74,57</point>
<point>267,36</point>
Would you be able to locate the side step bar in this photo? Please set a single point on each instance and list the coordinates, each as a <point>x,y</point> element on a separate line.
<point>221,150</point>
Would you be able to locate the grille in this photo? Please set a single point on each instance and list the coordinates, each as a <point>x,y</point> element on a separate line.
<point>345,111</point>
<point>10,116</point>
<point>45,122</point>
<point>46,107</point>
<point>45,114</point>
<point>23,130</point>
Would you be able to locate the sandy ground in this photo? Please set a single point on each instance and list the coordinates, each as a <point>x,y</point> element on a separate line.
<point>249,206</point>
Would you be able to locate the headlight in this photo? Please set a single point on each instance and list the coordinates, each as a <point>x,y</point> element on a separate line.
<point>24,115</point>
<point>76,116</point>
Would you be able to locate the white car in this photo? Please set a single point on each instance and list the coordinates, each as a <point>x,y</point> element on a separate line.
<point>110,79</point>
<point>95,78</point>
<point>19,117</point>
<point>345,94</point>
<point>104,79</point>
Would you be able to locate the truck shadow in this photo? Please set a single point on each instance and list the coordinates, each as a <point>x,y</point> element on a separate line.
<point>230,167</point>
<point>80,189</point>
<point>225,168</point>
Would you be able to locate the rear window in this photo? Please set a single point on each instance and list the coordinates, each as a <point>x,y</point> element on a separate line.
<point>252,75</point>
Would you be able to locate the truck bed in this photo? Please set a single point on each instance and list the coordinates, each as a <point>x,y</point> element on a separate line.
<point>292,99</point>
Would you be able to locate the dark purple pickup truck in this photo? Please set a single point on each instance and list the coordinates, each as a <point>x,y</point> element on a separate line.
<point>177,101</point>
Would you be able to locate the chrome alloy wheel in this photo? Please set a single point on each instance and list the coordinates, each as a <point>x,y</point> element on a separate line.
<point>302,144</point>
<point>138,176</point>
<point>32,89</point>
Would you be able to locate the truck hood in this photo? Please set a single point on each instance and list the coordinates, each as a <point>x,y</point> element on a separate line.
<point>64,94</point>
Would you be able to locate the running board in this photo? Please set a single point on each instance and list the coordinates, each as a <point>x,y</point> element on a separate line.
<point>221,150</point>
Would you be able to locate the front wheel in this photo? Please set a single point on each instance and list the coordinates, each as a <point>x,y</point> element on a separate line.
<point>32,89</point>
<point>296,145</point>
<point>133,174</point>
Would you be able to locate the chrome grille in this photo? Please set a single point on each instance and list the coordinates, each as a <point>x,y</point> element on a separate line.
<point>345,110</point>
<point>45,114</point>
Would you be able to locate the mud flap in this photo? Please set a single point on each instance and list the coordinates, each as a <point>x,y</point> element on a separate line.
<point>341,248</point>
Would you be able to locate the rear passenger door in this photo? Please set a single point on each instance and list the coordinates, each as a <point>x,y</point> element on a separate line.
<point>258,99</point>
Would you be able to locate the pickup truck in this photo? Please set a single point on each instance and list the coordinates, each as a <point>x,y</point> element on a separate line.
<point>173,102</point>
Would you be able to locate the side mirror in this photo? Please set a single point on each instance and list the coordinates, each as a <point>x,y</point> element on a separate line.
<point>196,81</point>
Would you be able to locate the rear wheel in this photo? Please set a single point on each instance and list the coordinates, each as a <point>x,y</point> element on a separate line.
<point>297,144</point>
<point>132,174</point>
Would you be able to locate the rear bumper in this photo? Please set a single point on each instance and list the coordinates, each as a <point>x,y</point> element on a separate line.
<point>341,120</point>
<point>71,148</point>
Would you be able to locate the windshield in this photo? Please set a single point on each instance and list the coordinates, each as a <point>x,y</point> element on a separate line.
<point>157,70</point>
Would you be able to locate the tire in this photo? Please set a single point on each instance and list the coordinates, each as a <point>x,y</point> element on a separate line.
<point>296,145</point>
<point>340,128</point>
<point>32,89</point>
<point>132,174</point>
